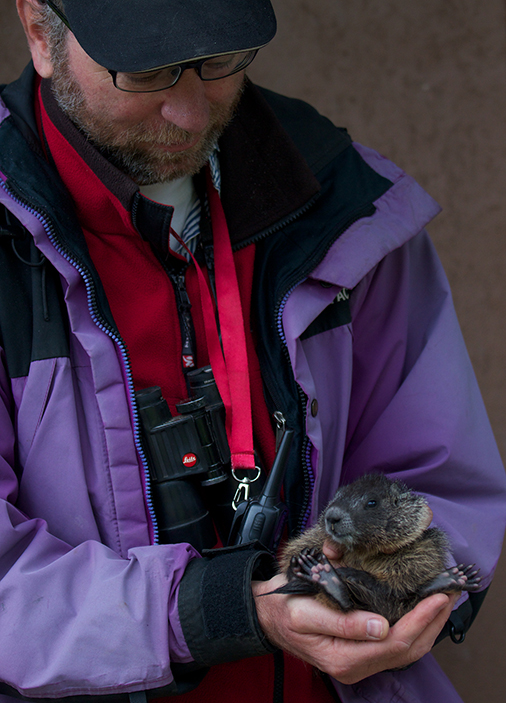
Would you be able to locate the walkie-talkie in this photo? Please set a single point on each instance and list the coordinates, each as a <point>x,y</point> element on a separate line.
<point>262,518</point>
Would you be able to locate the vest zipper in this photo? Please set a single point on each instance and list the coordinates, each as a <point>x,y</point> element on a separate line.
<point>278,225</point>
<point>184,305</point>
<point>105,327</point>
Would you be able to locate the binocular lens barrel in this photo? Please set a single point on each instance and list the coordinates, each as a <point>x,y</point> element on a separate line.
<point>188,458</point>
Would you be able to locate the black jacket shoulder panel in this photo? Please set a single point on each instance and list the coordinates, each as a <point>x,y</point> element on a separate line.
<point>33,322</point>
<point>18,98</point>
<point>315,136</point>
<point>33,182</point>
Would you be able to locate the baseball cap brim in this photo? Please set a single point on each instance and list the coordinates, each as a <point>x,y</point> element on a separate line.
<point>137,35</point>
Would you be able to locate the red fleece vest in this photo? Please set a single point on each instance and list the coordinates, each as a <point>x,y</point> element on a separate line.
<point>140,293</point>
<point>142,302</point>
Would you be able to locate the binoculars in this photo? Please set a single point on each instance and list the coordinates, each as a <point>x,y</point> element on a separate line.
<point>193,490</point>
<point>188,459</point>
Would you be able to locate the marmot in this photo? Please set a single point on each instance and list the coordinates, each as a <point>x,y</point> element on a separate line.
<point>391,559</point>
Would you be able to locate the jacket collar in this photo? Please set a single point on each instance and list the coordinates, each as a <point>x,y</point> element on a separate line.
<point>265,177</point>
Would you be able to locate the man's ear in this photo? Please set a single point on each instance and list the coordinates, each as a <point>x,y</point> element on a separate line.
<point>37,42</point>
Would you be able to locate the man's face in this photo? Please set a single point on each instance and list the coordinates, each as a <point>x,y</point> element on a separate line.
<point>152,137</point>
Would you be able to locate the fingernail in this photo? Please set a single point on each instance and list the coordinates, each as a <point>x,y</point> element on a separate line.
<point>375,629</point>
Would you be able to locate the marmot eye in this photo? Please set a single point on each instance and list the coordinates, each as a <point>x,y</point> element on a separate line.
<point>371,503</point>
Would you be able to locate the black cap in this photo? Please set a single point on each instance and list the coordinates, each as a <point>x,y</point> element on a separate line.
<point>137,35</point>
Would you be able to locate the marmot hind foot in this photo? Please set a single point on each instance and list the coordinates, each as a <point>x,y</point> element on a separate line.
<point>458,578</point>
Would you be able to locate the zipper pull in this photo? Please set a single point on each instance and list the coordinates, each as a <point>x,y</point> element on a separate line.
<point>185,321</point>
<point>209,259</point>
<point>184,300</point>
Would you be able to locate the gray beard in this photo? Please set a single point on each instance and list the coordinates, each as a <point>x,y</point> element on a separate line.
<point>128,150</point>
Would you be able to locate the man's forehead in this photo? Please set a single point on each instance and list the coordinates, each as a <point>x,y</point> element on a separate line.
<point>136,35</point>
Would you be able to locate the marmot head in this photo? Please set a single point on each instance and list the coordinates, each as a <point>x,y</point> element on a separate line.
<point>375,514</point>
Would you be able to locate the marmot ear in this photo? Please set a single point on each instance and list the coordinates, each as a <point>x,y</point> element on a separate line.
<point>399,490</point>
<point>428,517</point>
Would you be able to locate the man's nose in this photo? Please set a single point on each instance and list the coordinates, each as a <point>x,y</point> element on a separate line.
<point>185,104</point>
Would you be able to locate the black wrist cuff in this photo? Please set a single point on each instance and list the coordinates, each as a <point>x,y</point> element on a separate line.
<point>216,605</point>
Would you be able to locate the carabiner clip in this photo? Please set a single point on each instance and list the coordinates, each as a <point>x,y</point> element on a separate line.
<point>243,489</point>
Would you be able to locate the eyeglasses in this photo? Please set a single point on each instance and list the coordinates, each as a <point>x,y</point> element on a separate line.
<point>58,12</point>
<point>209,69</point>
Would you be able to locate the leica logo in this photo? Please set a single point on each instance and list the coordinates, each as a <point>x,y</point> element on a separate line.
<point>189,459</point>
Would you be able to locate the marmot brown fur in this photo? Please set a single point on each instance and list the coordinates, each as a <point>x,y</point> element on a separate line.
<point>391,559</point>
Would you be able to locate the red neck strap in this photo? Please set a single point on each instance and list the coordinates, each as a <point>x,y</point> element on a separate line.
<point>229,359</point>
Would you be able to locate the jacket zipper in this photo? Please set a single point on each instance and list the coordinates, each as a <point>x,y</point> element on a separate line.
<point>307,470</point>
<point>104,326</point>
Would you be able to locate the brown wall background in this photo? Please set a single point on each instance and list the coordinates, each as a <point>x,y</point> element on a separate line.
<point>423,83</point>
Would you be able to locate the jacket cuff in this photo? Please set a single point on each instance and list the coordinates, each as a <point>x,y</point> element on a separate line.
<point>216,605</point>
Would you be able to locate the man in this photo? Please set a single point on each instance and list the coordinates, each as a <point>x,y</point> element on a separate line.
<point>148,190</point>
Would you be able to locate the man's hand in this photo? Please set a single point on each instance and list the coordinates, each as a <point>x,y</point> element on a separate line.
<point>350,646</point>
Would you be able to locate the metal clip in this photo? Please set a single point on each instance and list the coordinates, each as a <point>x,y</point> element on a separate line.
<point>242,493</point>
<point>243,489</point>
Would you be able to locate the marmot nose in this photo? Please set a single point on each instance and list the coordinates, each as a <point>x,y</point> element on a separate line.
<point>333,518</point>
<point>331,524</point>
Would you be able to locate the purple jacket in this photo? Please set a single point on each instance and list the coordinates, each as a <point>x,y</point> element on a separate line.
<point>85,596</point>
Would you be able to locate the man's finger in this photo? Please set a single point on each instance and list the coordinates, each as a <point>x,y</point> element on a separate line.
<point>425,618</point>
<point>308,616</point>
<point>332,551</point>
<point>427,638</point>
